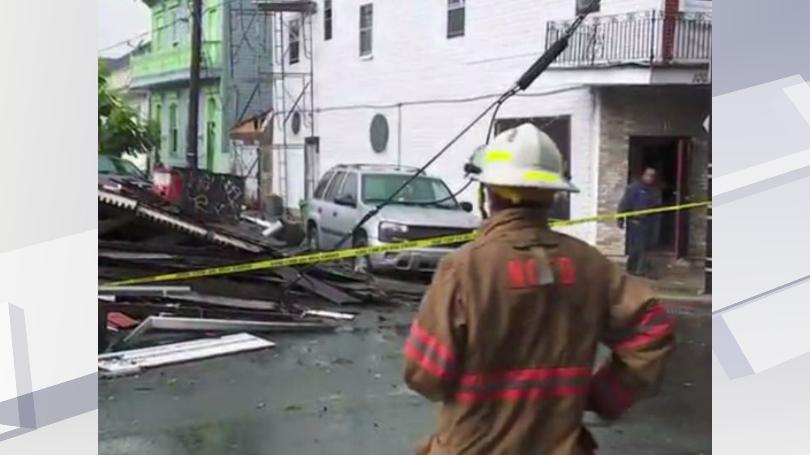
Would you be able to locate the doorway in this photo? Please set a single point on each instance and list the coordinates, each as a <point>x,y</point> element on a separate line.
<point>669,156</point>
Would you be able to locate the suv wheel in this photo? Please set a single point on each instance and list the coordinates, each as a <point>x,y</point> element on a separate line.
<point>361,264</point>
<point>312,237</point>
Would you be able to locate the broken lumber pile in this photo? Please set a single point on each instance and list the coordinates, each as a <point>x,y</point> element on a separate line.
<point>140,235</point>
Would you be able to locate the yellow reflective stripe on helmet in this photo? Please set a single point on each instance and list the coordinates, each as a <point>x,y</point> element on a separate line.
<point>541,176</point>
<point>495,156</point>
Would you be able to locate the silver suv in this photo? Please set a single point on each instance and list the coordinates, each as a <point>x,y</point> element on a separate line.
<point>425,208</point>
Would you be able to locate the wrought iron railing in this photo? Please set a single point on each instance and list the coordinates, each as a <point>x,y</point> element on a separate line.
<point>645,37</point>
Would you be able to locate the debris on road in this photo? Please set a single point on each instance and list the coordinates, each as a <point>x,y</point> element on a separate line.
<point>217,325</point>
<point>134,361</point>
<point>141,235</point>
<point>330,315</point>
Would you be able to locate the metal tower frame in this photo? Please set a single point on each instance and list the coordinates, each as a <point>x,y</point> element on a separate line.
<point>300,99</point>
<point>248,39</point>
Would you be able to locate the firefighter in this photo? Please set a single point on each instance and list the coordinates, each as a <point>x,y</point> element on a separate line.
<point>506,336</point>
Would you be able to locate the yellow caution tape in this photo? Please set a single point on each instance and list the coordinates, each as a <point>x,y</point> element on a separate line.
<point>329,256</point>
<point>615,216</point>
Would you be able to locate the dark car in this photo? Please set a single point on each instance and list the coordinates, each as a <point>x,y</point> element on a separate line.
<point>113,172</point>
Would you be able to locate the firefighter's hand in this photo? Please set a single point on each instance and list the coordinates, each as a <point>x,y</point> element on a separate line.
<point>620,223</point>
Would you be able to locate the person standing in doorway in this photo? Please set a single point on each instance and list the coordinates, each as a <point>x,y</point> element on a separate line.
<point>641,230</point>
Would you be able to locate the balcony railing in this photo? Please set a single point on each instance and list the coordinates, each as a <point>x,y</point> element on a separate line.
<point>646,37</point>
<point>175,59</point>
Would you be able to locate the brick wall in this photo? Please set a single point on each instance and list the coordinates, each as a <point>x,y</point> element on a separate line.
<point>668,39</point>
<point>650,111</point>
<point>698,191</point>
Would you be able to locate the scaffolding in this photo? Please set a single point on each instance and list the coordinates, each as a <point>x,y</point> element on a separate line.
<point>247,88</point>
<point>293,91</point>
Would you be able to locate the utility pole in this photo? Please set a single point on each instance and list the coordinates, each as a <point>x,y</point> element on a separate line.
<point>194,85</point>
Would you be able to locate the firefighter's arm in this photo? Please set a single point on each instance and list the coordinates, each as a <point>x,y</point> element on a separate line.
<point>640,334</point>
<point>434,348</point>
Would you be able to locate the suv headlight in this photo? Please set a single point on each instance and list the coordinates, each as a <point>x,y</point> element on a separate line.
<point>392,232</point>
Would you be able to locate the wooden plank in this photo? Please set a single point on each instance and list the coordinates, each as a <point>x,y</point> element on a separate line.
<point>316,286</point>
<point>133,361</point>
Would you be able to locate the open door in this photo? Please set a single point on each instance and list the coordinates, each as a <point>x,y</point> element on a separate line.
<point>669,156</point>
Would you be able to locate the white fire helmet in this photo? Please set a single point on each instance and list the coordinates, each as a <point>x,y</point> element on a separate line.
<point>523,157</point>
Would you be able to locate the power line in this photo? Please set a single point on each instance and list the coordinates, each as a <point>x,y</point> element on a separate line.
<point>125,42</point>
<point>444,101</point>
<point>162,27</point>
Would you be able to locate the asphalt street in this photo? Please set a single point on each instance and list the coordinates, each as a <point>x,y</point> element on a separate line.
<point>342,393</point>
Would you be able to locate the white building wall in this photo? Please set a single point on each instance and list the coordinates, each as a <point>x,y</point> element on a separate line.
<point>624,6</point>
<point>413,62</point>
<point>698,6</point>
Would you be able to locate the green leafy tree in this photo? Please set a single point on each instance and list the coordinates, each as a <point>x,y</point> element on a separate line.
<point>120,129</point>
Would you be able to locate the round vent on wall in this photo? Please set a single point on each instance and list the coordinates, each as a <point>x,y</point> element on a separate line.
<point>296,122</point>
<point>379,133</point>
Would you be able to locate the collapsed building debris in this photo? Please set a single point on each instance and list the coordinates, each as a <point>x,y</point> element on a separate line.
<point>134,361</point>
<point>162,291</point>
<point>140,235</point>
<point>330,315</point>
<point>217,325</point>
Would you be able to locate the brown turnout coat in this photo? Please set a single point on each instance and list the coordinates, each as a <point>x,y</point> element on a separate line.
<point>505,339</point>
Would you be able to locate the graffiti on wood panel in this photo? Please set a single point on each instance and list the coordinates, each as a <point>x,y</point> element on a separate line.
<point>212,197</point>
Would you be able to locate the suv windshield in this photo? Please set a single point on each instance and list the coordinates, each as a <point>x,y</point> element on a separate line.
<point>118,166</point>
<point>421,191</point>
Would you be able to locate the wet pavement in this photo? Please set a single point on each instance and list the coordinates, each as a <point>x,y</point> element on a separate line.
<point>342,393</point>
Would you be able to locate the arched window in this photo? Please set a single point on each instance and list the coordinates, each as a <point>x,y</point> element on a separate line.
<point>157,117</point>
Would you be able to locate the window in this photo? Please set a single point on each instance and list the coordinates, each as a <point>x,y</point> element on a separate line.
<point>327,20</point>
<point>106,165</point>
<point>349,188</point>
<point>118,166</point>
<point>366,16</point>
<point>455,18</point>
<point>321,189</point>
<point>173,28</point>
<point>334,185</point>
<point>159,30</point>
<point>584,6</point>
<point>295,40</point>
<point>379,187</point>
<point>211,128</point>
<point>173,145</point>
<point>158,119</point>
<point>212,24</point>
<point>379,133</point>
